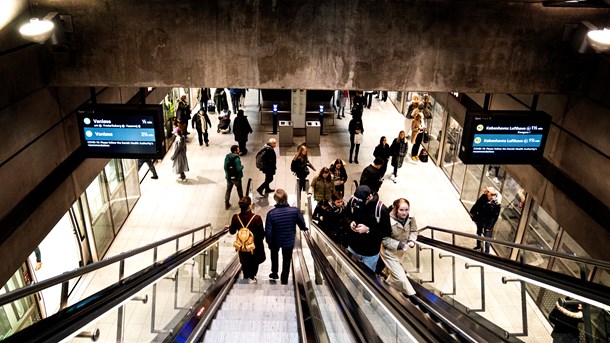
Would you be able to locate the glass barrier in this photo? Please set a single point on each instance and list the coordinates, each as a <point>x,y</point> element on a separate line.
<point>186,282</point>
<point>382,320</point>
<point>520,307</point>
<point>150,315</point>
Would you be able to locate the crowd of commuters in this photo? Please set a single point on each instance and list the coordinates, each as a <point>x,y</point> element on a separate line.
<point>371,232</point>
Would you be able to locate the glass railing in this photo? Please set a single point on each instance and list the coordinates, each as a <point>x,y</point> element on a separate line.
<point>511,295</point>
<point>157,284</point>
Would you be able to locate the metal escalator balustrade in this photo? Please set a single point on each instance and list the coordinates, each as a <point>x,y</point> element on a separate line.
<point>509,294</point>
<point>121,311</point>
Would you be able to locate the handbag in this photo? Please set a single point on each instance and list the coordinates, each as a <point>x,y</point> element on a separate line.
<point>358,138</point>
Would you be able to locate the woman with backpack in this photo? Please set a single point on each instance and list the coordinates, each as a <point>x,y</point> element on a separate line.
<point>249,259</point>
<point>299,166</point>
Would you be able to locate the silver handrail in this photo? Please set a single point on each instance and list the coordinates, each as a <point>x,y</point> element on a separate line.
<point>39,286</point>
<point>597,263</point>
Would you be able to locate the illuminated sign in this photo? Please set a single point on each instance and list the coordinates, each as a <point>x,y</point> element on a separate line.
<point>121,131</point>
<point>504,137</point>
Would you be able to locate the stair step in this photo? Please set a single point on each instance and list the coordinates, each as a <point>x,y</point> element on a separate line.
<point>256,325</point>
<point>253,304</point>
<point>256,315</point>
<point>250,337</point>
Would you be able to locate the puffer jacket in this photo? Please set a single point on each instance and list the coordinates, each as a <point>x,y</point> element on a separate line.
<point>321,188</point>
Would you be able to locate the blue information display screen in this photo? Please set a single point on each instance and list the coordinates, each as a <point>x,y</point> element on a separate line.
<point>121,131</point>
<point>504,137</point>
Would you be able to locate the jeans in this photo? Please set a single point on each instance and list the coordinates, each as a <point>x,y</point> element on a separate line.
<point>240,191</point>
<point>351,148</point>
<point>485,233</point>
<point>418,139</point>
<point>369,261</point>
<point>286,261</point>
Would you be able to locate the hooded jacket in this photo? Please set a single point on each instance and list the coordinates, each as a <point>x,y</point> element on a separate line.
<point>369,244</point>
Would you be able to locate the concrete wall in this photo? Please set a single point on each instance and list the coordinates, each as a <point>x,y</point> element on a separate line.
<point>434,45</point>
<point>579,147</point>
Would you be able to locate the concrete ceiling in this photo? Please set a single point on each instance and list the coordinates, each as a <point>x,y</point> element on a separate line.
<point>474,46</point>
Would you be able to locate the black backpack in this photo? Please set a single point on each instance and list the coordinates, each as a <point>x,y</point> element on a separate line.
<point>232,168</point>
<point>260,161</point>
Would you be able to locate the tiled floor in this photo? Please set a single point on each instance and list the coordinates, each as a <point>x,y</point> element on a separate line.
<point>167,207</point>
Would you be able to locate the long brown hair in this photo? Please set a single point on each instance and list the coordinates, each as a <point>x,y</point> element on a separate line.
<point>328,177</point>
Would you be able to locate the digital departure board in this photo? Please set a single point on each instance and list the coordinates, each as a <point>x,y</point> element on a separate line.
<point>122,131</point>
<point>504,137</point>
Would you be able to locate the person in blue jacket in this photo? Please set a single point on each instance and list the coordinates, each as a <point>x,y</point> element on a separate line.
<point>280,232</point>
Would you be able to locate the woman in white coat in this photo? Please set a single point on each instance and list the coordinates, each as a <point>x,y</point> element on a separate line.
<point>404,235</point>
<point>181,164</point>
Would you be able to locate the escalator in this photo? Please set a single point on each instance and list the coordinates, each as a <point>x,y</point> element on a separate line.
<point>196,293</point>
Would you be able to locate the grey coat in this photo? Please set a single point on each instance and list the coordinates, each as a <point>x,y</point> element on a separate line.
<point>181,164</point>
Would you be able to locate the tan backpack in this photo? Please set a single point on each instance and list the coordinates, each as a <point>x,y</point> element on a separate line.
<point>244,240</point>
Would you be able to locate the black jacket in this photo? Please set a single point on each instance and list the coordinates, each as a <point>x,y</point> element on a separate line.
<point>334,223</point>
<point>241,128</point>
<point>355,124</point>
<point>369,244</point>
<point>382,152</point>
<point>269,160</point>
<point>371,177</point>
<point>485,212</point>
<point>257,229</point>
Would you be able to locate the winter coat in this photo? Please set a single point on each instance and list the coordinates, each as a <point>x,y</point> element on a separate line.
<point>485,212</point>
<point>334,223</point>
<point>238,166</point>
<point>257,229</point>
<point>401,233</point>
<point>280,226</point>
<point>321,188</point>
<point>180,164</point>
<point>416,128</point>
<point>338,174</point>
<point>383,152</point>
<point>201,122</point>
<point>369,244</point>
<point>300,167</point>
<point>355,126</point>
<point>399,150</point>
<point>241,128</point>
<point>269,160</point>
<point>371,177</point>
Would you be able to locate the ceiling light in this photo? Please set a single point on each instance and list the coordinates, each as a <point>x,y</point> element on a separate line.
<point>37,31</point>
<point>599,40</point>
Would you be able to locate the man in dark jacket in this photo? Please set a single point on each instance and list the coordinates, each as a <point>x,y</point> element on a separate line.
<point>280,232</point>
<point>234,172</point>
<point>241,130</point>
<point>269,166</point>
<point>371,175</point>
<point>370,223</point>
<point>485,213</point>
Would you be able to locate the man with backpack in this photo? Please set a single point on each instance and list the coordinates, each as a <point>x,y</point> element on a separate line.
<point>370,223</point>
<point>266,162</point>
<point>234,172</point>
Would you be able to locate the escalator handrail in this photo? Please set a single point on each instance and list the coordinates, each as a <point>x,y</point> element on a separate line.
<point>578,259</point>
<point>593,293</point>
<point>67,276</point>
<point>69,321</point>
<point>309,315</point>
<point>425,327</point>
<point>359,324</point>
<point>205,310</point>
<point>249,188</point>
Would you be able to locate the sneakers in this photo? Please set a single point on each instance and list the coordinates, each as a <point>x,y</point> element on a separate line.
<point>252,281</point>
<point>415,158</point>
<point>154,177</point>
<point>260,192</point>
<point>270,190</point>
<point>227,206</point>
<point>274,276</point>
<point>207,144</point>
<point>476,248</point>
